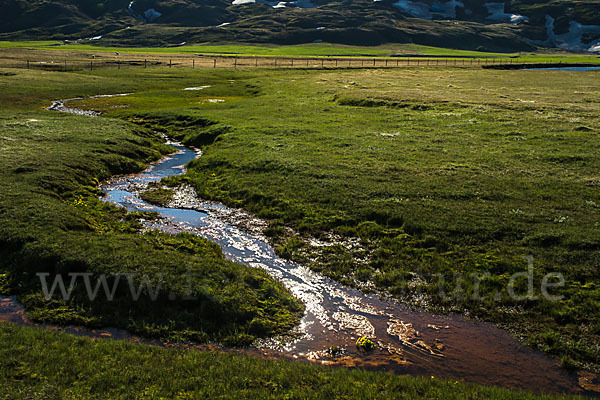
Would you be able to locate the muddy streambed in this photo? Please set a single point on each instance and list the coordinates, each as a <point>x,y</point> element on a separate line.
<point>408,341</point>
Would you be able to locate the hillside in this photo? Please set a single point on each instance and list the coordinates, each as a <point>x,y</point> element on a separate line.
<point>515,25</point>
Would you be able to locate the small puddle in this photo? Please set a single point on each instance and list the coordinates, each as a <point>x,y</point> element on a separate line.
<point>407,341</point>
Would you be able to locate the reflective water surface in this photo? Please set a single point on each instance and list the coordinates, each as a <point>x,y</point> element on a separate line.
<point>408,342</point>
<point>583,69</point>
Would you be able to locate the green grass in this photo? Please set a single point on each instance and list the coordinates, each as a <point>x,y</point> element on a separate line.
<point>51,365</point>
<point>437,171</point>
<point>29,44</point>
<point>53,221</point>
<point>306,50</point>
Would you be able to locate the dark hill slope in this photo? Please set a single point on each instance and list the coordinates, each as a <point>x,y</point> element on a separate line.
<point>470,24</point>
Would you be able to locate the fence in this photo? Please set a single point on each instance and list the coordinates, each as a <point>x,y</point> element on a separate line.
<point>227,61</point>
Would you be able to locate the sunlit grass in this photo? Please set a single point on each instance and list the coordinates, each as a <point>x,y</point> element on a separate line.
<point>306,50</point>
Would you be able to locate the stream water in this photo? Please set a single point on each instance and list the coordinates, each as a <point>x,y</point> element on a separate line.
<point>582,69</point>
<point>408,341</point>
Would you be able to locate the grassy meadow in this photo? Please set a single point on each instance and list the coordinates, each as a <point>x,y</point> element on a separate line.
<point>436,172</point>
<point>53,221</point>
<point>51,365</point>
<point>35,49</point>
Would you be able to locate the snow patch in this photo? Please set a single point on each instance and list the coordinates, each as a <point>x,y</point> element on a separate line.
<point>595,48</point>
<point>277,4</point>
<point>427,11</point>
<point>303,4</point>
<point>572,40</point>
<point>497,13</point>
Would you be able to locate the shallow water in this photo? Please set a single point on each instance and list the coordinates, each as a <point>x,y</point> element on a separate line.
<point>408,342</point>
<point>583,69</point>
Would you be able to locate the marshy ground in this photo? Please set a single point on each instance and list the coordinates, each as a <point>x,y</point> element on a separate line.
<point>426,170</point>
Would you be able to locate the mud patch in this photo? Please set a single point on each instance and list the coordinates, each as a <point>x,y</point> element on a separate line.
<point>410,337</point>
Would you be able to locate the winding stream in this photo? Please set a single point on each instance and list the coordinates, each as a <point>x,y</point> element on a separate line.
<point>408,341</point>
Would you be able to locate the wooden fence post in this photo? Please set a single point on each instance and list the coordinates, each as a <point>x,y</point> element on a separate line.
<point>215,63</point>
<point>145,61</point>
<point>91,65</point>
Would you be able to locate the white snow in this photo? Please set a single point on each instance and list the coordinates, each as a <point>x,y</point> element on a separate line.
<point>426,11</point>
<point>277,4</point>
<point>496,11</point>
<point>303,4</point>
<point>239,2</point>
<point>572,39</point>
<point>595,48</point>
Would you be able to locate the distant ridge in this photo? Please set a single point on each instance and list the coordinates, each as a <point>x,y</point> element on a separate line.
<point>515,25</point>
